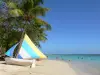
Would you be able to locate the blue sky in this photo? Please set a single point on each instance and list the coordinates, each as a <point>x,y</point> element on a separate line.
<point>75,27</point>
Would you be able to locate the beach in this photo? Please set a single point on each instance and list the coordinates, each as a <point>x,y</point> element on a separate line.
<point>46,67</point>
<point>52,67</point>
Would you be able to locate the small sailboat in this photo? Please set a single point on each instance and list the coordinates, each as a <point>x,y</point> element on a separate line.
<point>27,54</point>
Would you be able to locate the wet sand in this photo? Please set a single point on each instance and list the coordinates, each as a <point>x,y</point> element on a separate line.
<point>86,68</point>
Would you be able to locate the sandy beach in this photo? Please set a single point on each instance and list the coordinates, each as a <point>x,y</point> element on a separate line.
<point>47,67</point>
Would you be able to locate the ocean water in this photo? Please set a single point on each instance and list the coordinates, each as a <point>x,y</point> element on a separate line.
<point>75,57</point>
<point>83,64</point>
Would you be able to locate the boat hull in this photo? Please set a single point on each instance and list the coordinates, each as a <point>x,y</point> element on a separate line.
<point>21,62</point>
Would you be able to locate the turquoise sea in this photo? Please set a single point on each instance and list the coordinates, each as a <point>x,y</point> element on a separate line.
<point>75,57</point>
<point>83,64</point>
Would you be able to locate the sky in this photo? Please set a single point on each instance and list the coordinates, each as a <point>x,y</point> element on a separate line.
<point>75,27</point>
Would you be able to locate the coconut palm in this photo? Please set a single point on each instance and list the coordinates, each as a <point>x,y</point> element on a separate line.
<point>24,16</point>
<point>34,26</point>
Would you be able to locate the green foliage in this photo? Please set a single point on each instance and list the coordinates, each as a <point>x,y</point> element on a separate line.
<point>23,15</point>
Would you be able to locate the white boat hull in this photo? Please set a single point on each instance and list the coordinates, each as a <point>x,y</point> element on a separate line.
<point>21,62</point>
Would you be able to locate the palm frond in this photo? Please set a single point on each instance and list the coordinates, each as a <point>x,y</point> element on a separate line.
<point>16,12</point>
<point>39,11</point>
<point>11,5</point>
<point>43,24</point>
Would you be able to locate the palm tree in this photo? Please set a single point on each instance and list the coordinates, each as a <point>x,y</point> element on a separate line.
<point>24,15</point>
<point>34,26</point>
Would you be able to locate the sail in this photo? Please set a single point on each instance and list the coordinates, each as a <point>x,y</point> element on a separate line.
<point>29,50</point>
<point>11,50</point>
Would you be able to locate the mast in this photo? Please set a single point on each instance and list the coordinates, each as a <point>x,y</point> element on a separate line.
<point>20,43</point>
<point>21,40</point>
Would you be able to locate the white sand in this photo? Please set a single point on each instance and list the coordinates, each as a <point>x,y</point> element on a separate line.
<point>47,67</point>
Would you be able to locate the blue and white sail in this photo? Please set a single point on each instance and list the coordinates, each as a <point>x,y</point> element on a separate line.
<point>28,50</point>
<point>11,50</point>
